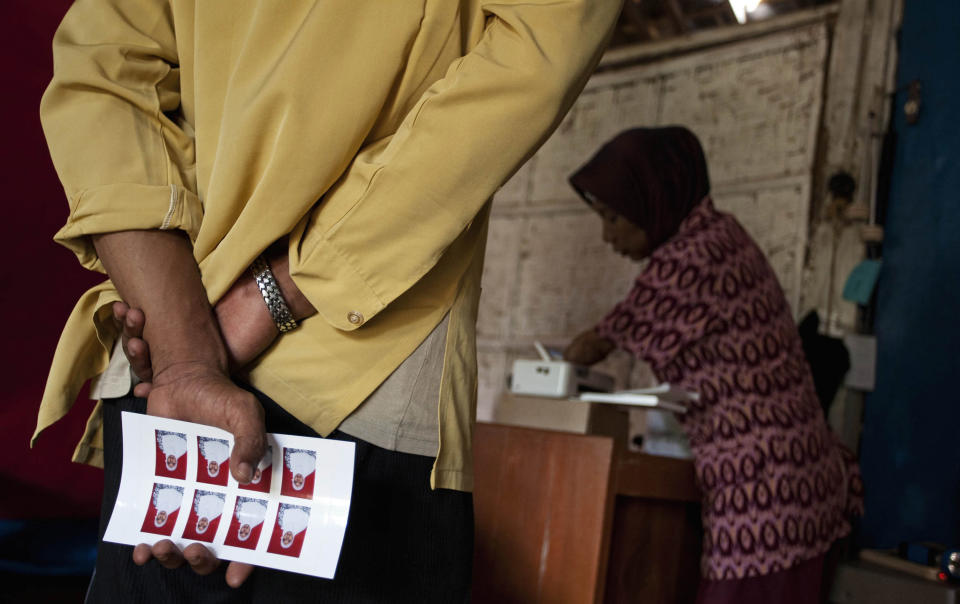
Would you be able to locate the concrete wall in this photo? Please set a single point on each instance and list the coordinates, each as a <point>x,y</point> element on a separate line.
<point>754,98</point>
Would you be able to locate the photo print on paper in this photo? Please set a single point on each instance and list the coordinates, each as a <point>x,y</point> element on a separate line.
<point>213,464</point>
<point>263,474</point>
<point>204,516</point>
<point>162,512</point>
<point>289,530</point>
<point>171,454</point>
<point>298,471</point>
<point>248,517</point>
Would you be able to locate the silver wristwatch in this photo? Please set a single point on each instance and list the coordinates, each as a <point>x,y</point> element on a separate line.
<point>279,311</point>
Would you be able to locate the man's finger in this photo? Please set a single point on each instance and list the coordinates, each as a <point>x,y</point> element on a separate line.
<point>134,346</point>
<point>245,422</point>
<point>167,554</point>
<point>138,353</point>
<point>142,554</point>
<point>237,573</point>
<point>133,322</point>
<point>200,559</point>
<point>119,312</point>
<point>142,390</point>
<point>247,452</point>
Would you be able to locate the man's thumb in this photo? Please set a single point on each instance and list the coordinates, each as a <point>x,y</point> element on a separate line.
<point>245,422</point>
<point>247,452</point>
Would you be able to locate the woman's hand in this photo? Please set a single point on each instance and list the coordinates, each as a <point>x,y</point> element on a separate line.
<point>588,348</point>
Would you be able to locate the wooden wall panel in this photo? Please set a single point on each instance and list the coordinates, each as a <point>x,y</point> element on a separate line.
<point>541,503</point>
<point>658,560</point>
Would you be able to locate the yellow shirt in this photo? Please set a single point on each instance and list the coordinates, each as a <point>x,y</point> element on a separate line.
<point>372,133</point>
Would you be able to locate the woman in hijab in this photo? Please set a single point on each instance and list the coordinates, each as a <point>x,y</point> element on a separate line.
<point>708,315</point>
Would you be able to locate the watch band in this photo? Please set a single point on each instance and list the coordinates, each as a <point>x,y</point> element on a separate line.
<point>279,311</point>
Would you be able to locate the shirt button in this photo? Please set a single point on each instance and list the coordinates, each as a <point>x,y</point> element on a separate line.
<point>354,317</point>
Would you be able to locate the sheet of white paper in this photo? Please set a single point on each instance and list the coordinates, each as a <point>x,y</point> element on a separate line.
<point>633,399</point>
<point>667,392</point>
<point>294,522</point>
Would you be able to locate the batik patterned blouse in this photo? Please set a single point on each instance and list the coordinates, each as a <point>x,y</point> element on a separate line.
<point>708,314</point>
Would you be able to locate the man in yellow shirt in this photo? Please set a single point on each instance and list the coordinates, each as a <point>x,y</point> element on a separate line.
<point>347,151</point>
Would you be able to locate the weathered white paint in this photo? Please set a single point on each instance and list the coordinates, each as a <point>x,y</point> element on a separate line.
<point>862,64</point>
<point>861,76</point>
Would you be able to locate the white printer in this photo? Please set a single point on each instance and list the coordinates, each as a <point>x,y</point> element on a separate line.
<point>555,378</point>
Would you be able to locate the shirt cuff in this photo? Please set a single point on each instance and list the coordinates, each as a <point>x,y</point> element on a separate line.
<point>127,207</point>
<point>334,286</point>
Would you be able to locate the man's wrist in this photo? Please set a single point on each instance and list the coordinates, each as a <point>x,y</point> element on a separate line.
<point>186,369</point>
<point>300,307</point>
<point>195,341</point>
<point>273,297</point>
<point>156,272</point>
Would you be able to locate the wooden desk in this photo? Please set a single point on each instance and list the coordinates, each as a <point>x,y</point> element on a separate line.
<point>571,518</point>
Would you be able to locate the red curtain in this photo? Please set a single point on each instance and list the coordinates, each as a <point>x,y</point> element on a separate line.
<point>41,282</point>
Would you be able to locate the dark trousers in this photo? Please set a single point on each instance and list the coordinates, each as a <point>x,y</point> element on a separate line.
<point>403,543</point>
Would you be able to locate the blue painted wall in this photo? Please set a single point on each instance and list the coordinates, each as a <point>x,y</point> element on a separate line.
<point>911,442</point>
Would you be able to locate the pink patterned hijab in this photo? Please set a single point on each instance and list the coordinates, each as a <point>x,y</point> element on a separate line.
<point>652,177</point>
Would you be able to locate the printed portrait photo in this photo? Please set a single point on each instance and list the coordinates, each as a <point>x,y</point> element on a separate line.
<point>289,530</point>
<point>161,515</point>
<point>263,474</point>
<point>298,471</point>
<point>247,521</point>
<point>171,454</point>
<point>204,516</point>
<point>213,463</point>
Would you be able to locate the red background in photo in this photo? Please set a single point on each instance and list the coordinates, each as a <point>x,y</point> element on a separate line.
<point>161,469</point>
<point>263,486</point>
<point>190,532</point>
<point>232,538</point>
<point>276,547</point>
<point>202,476</point>
<point>286,485</point>
<point>150,527</point>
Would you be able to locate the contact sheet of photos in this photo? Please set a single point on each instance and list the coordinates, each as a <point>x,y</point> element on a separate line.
<point>176,484</point>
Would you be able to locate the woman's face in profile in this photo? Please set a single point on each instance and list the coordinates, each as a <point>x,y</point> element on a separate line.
<point>626,238</point>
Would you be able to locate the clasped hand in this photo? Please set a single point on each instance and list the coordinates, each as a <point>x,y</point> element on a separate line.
<point>203,392</point>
